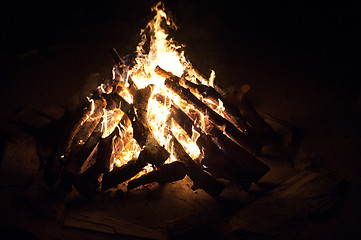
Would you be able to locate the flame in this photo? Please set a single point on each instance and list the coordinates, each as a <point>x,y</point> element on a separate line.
<point>163,52</point>
<point>166,53</point>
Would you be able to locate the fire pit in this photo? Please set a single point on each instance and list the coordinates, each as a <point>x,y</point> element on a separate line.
<point>157,120</point>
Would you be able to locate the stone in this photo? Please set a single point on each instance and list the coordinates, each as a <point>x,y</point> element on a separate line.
<point>20,161</point>
<point>297,199</point>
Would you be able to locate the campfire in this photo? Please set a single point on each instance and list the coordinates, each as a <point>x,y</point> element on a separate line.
<point>157,120</point>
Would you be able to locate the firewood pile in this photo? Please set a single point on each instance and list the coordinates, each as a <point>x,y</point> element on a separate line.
<point>158,132</point>
<point>230,143</point>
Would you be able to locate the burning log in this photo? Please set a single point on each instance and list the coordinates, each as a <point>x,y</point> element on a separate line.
<point>141,131</point>
<point>250,114</point>
<point>165,174</point>
<point>121,174</point>
<point>201,179</point>
<point>254,168</point>
<point>91,124</point>
<point>246,142</point>
<point>213,95</point>
<point>79,156</point>
<point>226,160</point>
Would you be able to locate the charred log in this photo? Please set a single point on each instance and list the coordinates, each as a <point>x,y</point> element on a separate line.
<point>224,160</point>
<point>121,174</point>
<point>251,115</point>
<point>250,165</point>
<point>201,179</point>
<point>90,124</point>
<point>212,94</point>
<point>141,130</point>
<point>167,173</point>
<point>80,154</point>
<point>78,158</point>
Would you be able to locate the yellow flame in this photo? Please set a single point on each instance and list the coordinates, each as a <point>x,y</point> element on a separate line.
<point>211,78</point>
<point>189,144</point>
<point>166,53</point>
<point>163,52</point>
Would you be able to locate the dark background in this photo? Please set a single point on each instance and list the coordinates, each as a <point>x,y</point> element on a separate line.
<point>328,29</point>
<point>324,35</point>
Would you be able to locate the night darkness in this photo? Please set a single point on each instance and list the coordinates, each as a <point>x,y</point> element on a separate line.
<point>301,58</point>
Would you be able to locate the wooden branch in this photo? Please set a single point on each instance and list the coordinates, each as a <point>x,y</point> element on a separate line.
<point>165,174</point>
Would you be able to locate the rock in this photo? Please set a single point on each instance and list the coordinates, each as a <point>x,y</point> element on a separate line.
<point>45,201</point>
<point>302,196</point>
<point>303,159</point>
<point>20,160</point>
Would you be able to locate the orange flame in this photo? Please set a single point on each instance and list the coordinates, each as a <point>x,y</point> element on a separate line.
<point>163,52</point>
